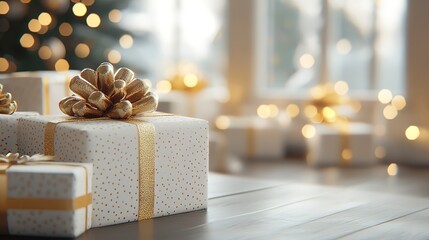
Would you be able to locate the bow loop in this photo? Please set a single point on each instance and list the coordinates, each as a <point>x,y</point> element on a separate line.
<point>16,159</point>
<point>7,106</point>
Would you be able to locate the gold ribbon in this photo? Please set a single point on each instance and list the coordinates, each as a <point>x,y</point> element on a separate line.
<point>7,106</point>
<point>7,203</point>
<point>46,96</point>
<point>146,146</point>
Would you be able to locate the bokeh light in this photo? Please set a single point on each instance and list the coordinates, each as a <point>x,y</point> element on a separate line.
<point>82,50</point>
<point>292,110</point>
<point>65,29</point>
<point>93,20</point>
<point>79,9</point>
<point>392,169</point>
<point>163,86</point>
<point>222,122</point>
<point>385,96</point>
<point>126,41</point>
<point>412,132</point>
<point>306,61</point>
<point>62,65</point>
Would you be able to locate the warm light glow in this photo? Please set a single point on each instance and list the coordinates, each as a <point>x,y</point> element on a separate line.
<point>380,152</point>
<point>310,111</point>
<point>82,50</point>
<point>163,86</point>
<point>385,96</point>
<point>329,113</point>
<point>45,52</point>
<point>390,112</point>
<point>93,20</point>
<point>346,154</point>
<point>392,169</point>
<point>62,65</point>
<point>292,110</point>
<point>306,61</point>
<point>356,106</point>
<point>344,46</point>
<point>65,29</point>
<point>4,64</point>
<point>263,111</point>
<point>380,130</point>
<point>88,2</point>
<point>190,80</point>
<point>274,110</point>
<point>115,16</point>
<point>308,131</point>
<point>34,25</point>
<point>43,30</point>
<point>412,132</point>
<point>341,87</point>
<point>223,122</point>
<point>4,7</point>
<point>45,19</point>
<point>399,102</point>
<point>114,56</point>
<point>27,40</point>
<point>126,41</point>
<point>25,1</point>
<point>79,9</point>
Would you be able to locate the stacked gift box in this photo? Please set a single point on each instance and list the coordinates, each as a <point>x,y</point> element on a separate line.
<point>116,159</point>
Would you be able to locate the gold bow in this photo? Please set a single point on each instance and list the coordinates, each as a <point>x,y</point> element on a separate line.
<point>104,93</point>
<point>7,106</point>
<point>16,159</point>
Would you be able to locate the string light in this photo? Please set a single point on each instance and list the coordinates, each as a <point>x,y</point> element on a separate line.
<point>4,7</point>
<point>190,80</point>
<point>115,16</point>
<point>308,131</point>
<point>45,19</point>
<point>412,132</point>
<point>4,64</point>
<point>45,52</point>
<point>114,56</point>
<point>292,110</point>
<point>34,25</point>
<point>306,61</point>
<point>65,29</point>
<point>222,122</point>
<point>341,87</point>
<point>93,20</point>
<point>164,86</point>
<point>126,41</point>
<point>79,9</point>
<point>62,65</point>
<point>27,40</point>
<point>385,96</point>
<point>392,169</point>
<point>82,50</point>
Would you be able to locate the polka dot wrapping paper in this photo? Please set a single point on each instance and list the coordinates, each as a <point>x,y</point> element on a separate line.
<point>8,131</point>
<point>179,169</point>
<point>41,187</point>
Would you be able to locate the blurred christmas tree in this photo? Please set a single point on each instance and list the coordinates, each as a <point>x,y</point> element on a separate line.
<point>61,34</point>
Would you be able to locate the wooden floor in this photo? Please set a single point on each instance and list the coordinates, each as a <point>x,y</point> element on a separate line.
<point>287,200</point>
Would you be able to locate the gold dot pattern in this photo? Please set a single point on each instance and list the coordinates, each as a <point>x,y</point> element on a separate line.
<point>181,162</point>
<point>53,182</point>
<point>8,131</point>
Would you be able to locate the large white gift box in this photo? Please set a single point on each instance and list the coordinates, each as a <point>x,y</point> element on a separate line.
<point>143,168</point>
<point>38,91</point>
<point>46,199</point>
<point>8,131</point>
<point>341,144</point>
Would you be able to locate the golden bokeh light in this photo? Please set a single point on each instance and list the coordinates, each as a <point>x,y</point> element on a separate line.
<point>115,16</point>
<point>27,40</point>
<point>126,41</point>
<point>4,7</point>
<point>390,112</point>
<point>88,2</point>
<point>79,9</point>
<point>380,152</point>
<point>62,65</point>
<point>274,110</point>
<point>399,102</point>
<point>292,110</point>
<point>65,29</point>
<point>310,111</point>
<point>82,50</point>
<point>43,30</point>
<point>4,64</point>
<point>34,25</point>
<point>385,96</point>
<point>25,1</point>
<point>306,61</point>
<point>329,114</point>
<point>412,132</point>
<point>392,169</point>
<point>190,80</point>
<point>263,111</point>
<point>308,131</point>
<point>341,88</point>
<point>346,154</point>
<point>163,86</point>
<point>344,46</point>
<point>114,56</point>
<point>223,122</point>
<point>45,19</point>
<point>45,52</point>
<point>93,20</point>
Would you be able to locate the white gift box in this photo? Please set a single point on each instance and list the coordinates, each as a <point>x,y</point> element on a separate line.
<point>178,154</point>
<point>48,199</point>
<point>326,147</point>
<point>8,131</point>
<point>253,137</point>
<point>38,91</point>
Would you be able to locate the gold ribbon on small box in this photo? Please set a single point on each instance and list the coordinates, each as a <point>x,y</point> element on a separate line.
<point>105,95</point>
<point>7,105</point>
<point>12,159</point>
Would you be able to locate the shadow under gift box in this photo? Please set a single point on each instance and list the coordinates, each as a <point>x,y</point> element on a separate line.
<point>8,131</point>
<point>179,158</point>
<point>38,91</point>
<point>40,196</point>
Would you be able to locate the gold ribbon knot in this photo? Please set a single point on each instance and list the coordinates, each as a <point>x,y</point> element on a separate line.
<point>105,93</point>
<point>7,106</point>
